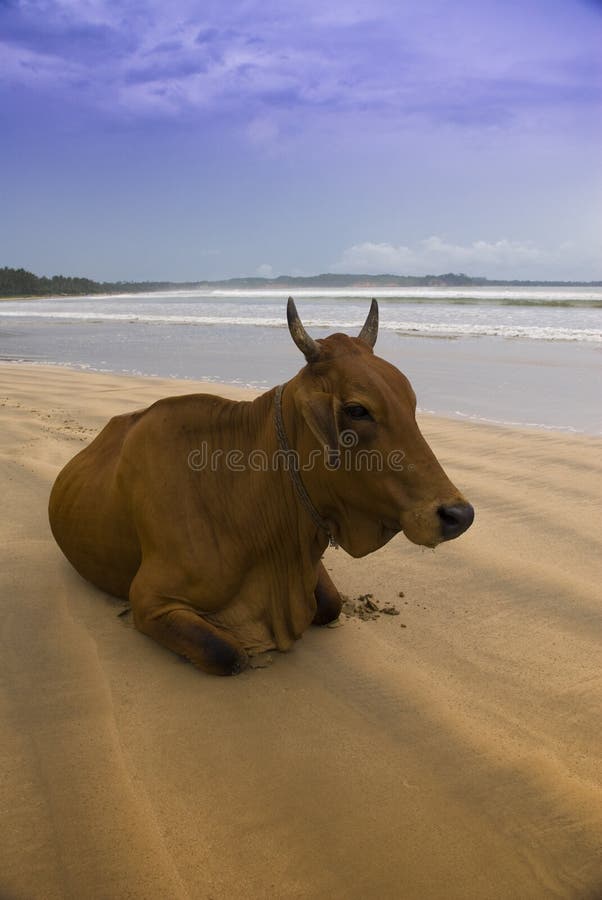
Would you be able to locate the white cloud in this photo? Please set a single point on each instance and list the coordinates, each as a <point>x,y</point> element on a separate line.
<point>434,255</point>
<point>265,270</point>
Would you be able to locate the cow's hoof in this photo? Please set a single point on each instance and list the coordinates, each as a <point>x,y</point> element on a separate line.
<point>240,664</point>
<point>234,663</point>
<point>329,608</point>
<point>222,656</point>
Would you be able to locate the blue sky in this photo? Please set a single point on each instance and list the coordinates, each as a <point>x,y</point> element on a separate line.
<point>193,140</point>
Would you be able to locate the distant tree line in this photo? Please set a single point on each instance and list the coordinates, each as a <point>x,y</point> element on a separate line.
<point>21,283</point>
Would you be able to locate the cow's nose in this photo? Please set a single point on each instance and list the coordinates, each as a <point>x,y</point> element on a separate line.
<point>455,520</point>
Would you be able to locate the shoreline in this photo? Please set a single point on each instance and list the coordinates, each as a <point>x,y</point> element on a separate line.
<point>529,367</point>
<point>215,386</point>
<point>449,751</point>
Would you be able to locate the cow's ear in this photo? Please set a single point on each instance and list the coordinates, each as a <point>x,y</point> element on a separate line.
<point>320,412</point>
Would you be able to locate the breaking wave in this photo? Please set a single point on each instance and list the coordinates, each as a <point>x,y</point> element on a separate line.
<point>409,327</point>
<point>536,313</point>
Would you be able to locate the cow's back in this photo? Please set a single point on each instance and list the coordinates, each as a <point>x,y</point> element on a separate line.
<point>90,515</point>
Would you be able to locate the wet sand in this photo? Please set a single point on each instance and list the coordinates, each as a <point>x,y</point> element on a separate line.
<point>451,751</point>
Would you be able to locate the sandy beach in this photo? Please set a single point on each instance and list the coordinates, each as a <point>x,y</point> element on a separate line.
<point>450,751</point>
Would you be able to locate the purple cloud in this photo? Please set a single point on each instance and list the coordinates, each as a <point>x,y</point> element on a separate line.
<point>478,63</point>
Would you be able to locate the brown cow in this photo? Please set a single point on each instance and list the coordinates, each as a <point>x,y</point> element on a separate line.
<point>212,516</point>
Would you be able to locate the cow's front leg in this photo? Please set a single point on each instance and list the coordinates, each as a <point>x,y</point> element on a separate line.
<point>180,628</point>
<point>327,597</point>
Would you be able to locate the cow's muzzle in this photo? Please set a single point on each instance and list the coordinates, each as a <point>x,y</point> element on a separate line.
<point>455,520</point>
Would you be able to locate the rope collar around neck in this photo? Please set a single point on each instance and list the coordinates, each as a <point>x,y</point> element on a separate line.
<point>293,468</point>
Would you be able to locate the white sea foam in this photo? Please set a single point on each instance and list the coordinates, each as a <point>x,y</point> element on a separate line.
<point>543,295</point>
<point>540,294</point>
<point>517,423</point>
<point>534,332</point>
<point>457,325</point>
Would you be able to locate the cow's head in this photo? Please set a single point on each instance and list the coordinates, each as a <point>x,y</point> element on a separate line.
<point>375,474</point>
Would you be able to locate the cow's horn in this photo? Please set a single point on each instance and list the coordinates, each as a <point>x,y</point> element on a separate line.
<point>369,332</point>
<point>306,344</point>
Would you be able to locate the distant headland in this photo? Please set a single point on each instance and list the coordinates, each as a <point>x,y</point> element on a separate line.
<point>21,283</point>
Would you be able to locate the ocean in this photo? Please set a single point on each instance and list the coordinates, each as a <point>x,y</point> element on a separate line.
<point>518,356</point>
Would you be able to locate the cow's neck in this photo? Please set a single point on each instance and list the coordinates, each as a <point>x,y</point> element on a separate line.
<point>293,465</point>
<point>297,439</point>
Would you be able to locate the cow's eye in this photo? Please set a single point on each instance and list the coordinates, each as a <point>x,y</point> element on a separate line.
<point>355,411</point>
